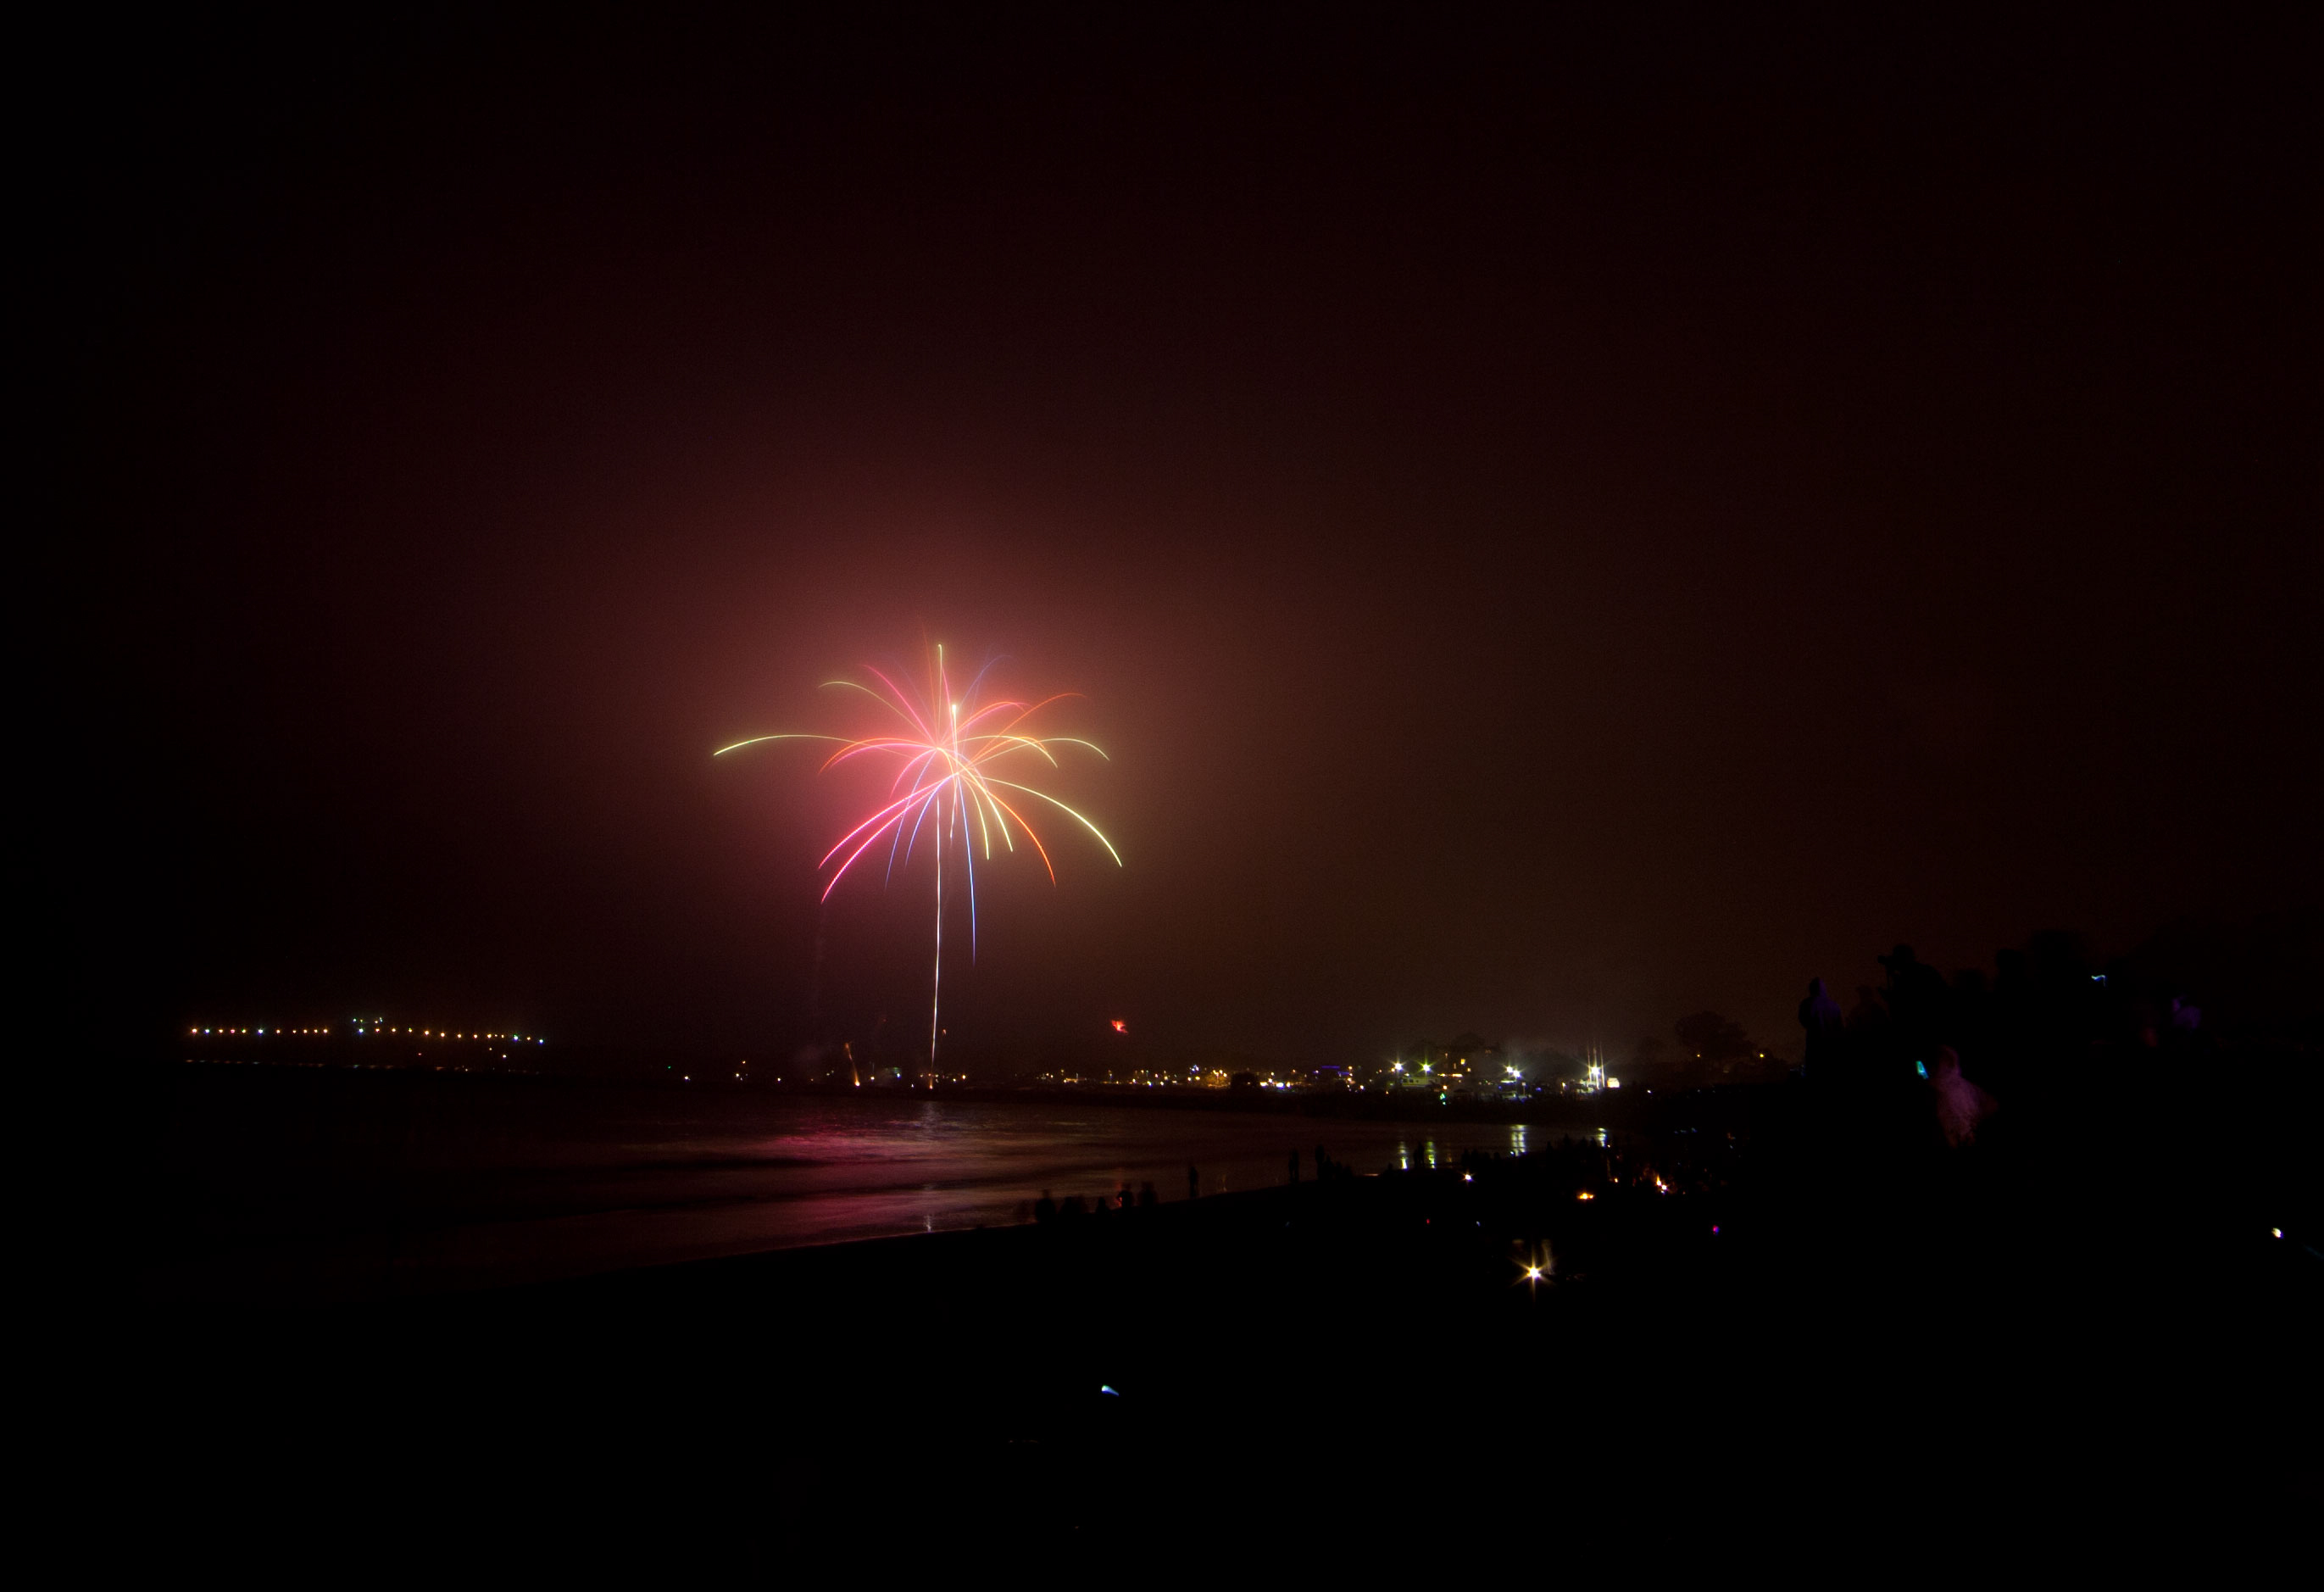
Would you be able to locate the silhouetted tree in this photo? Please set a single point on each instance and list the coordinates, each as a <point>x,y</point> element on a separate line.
<point>1556,1067</point>
<point>1714,1050</point>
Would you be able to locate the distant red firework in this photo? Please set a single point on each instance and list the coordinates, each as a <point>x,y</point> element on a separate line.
<point>944,757</point>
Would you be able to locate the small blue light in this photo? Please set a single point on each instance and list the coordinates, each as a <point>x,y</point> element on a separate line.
<point>1108,1391</point>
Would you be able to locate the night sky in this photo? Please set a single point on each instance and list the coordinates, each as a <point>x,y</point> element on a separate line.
<point>1560,524</point>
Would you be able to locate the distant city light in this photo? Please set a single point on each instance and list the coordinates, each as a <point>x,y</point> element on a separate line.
<point>361,1028</point>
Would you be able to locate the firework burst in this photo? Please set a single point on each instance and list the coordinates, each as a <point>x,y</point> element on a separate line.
<point>946,789</point>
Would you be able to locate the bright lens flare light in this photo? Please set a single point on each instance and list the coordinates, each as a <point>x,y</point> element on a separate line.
<point>944,754</point>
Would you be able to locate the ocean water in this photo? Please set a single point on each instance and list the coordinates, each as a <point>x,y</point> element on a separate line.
<point>286,1187</point>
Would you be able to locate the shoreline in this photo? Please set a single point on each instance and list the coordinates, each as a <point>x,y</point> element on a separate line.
<point>1627,1111</point>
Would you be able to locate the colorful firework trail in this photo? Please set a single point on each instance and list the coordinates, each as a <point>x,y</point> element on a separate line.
<point>944,755</point>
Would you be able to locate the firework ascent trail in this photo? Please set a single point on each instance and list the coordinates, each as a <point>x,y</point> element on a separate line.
<point>944,755</point>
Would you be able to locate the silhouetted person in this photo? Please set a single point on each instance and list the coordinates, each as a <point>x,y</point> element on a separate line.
<point>1960,1104</point>
<point>1820,1017</point>
<point>1917,997</point>
<point>1045,1209</point>
<point>1194,1182</point>
<point>1147,1196</point>
<point>1293,1173</point>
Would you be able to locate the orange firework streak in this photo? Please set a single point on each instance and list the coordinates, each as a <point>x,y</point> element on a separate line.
<point>944,757</point>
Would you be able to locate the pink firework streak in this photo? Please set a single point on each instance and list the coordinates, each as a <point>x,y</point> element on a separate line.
<point>944,785</point>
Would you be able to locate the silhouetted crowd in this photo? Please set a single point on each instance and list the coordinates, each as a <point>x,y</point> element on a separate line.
<point>2034,1064</point>
<point>1942,1061</point>
<point>1072,1208</point>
